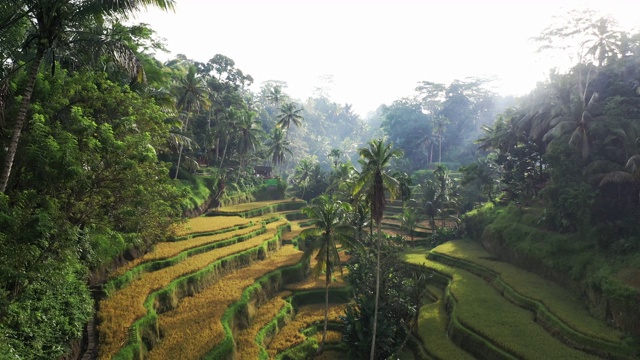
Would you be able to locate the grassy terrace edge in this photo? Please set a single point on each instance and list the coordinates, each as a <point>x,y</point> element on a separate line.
<point>144,332</point>
<point>546,318</point>
<point>210,233</point>
<point>155,265</point>
<point>338,295</point>
<point>467,336</point>
<point>236,317</point>
<point>123,280</point>
<point>266,209</point>
<point>459,333</point>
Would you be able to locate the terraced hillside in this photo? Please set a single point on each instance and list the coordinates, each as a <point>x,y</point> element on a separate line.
<point>228,284</point>
<point>487,309</point>
<point>232,285</point>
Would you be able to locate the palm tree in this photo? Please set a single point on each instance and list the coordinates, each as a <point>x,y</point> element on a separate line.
<point>275,95</point>
<point>439,126</point>
<point>444,188</point>
<point>331,227</point>
<point>249,130</point>
<point>302,174</point>
<point>193,97</point>
<point>54,23</point>
<point>278,146</point>
<point>578,117</point>
<point>335,155</point>
<point>428,197</point>
<point>604,40</point>
<point>404,183</point>
<point>289,113</point>
<point>410,219</point>
<point>342,180</point>
<point>372,183</point>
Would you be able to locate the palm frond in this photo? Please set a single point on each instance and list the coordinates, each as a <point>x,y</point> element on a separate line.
<point>617,177</point>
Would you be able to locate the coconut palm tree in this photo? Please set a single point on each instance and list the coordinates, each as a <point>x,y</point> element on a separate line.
<point>54,26</point>
<point>335,154</point>
<point>275,95</point>
<point>331,227</point>
<point>372,184</point>
<point>289,113</point>
<point>604,40</point>
<point>193,97</point>
<point>342,180</point>
<point>278,146</point>
<point>439,126</point>
<point>579,118</point>
<point>302,173</point>
<point>249,130</point>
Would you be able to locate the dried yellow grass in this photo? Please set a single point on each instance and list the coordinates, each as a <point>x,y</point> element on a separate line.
<point>319,282</point>
<point>209,223</point>
<point>120,310</point>
<point>333,336</point>
<point>246,345</point>
<point>306,316</point>
<point>252,206</point>
<point>194,328</point>
<point>166,250</point>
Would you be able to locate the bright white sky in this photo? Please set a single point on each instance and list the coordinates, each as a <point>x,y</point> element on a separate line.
<point>376,51</point>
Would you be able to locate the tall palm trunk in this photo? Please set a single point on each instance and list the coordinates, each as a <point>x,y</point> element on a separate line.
<point>375,311</point>
<point>224,152</point>
<point>20,119</point>
<point>377,210</point>
<point>181,147</point>
<point>178,163</point>
<point>326,298</point>
<point>431,154</point>
<point>440,150</point>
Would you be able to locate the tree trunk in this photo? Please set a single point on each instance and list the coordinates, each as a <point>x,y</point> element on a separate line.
<point>224,152</point>
<point>20,119</point>
<point>375,308</point>
<point>181,148</point>
<point>178,164</point>
<point>431,154</point>
<point>326,299</point>
<point>440,151</point>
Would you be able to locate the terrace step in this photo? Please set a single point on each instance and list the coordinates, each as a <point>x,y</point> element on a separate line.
<point>208,225</point>
<point>250,341</point>
<point>555,308</point>
<point>194,328</point>
<point>169,253</point>
<point>306,318</point>
<point>249,210</point>
<point>433,322</point>
<point>485,324</point>
<point>137,301</point>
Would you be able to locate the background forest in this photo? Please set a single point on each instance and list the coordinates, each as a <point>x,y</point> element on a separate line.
<point>105,148</point>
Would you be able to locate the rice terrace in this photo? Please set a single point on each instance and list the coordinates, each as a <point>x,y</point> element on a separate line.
<point>163,205</point>
<point>234,285</point>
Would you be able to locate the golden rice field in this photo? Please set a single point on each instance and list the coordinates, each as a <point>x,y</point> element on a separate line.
<point>318,282</point>
<point>333,336</point>
<point>209,223</point>
<point>166,250</point>
<point>117,312</point>
<point>306,316</point>
<point>194,328</point>
<point>251,206</point>
<point>246,345</point>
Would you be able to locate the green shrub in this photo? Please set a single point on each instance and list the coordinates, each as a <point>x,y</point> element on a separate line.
<point>475,221</point>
